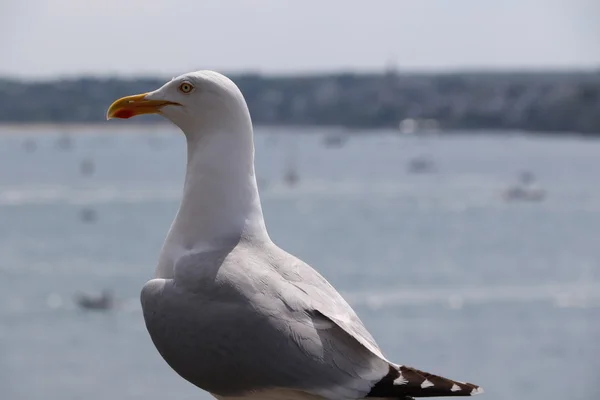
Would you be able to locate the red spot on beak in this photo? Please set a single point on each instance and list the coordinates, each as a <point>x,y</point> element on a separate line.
<point>124,113</point>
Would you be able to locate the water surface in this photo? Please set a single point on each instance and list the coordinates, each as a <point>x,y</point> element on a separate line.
<point>448,276</point>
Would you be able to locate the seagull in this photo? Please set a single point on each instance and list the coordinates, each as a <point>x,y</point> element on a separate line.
<point>229,310</point>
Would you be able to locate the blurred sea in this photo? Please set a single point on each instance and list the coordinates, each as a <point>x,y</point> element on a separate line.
<point>449,277</point>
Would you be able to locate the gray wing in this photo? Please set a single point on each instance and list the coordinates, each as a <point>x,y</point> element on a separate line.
<point>259,319</point>
<point>387,380</point>
<point>235,323</point>
<point>320,295</point>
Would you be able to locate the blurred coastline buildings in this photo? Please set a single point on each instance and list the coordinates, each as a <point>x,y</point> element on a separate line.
<point>551,102</point>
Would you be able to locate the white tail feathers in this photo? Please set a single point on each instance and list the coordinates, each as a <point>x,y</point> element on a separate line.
<point>404,382</point>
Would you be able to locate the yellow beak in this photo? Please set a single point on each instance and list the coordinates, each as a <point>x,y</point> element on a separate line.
<point>130,106</point>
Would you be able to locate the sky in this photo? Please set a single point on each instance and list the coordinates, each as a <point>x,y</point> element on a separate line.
<point>57,38</point>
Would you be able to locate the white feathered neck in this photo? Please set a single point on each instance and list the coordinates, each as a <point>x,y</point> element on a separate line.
<point>220,196</point>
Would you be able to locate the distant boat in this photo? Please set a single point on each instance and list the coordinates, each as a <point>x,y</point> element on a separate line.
<point>420,165</point>
<point>416,126</point>
<point>64,142</point>
<point>334,140</point>
<point>525,190</point>
<point>103,302</point>
<point>88,215</point>
<point>524,194</point>
<point>291,176</point>
<point>86,167</point>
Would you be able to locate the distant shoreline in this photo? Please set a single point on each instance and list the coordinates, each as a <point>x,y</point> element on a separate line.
<point>560,103</point>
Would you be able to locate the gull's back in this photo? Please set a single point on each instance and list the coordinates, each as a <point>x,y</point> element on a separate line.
<point>250,320</point>
<point>250,316</point>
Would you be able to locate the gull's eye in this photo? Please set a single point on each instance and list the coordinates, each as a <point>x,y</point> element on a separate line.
<point>186,87</point>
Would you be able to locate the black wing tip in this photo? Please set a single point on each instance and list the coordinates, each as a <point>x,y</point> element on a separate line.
<point>404,382</point>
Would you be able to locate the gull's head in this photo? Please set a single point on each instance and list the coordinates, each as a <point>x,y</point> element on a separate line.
<point>196,102</point>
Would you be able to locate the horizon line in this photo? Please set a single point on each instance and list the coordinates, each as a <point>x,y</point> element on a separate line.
<point>311,73</point>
